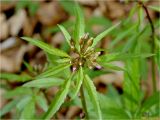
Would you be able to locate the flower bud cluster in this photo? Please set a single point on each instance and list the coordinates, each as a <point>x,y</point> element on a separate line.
<point>86,56</point>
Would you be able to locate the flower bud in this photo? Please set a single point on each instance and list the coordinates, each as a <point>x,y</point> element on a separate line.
<point>90,41</point>
<point>85,36</point>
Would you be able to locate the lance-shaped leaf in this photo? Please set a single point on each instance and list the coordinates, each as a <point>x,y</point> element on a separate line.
<point>23,102</point>
<point>122,56</point>
<point>58,100</point>
<point>42,102</point>
<point>14,77</point>
<point>29,110</point>
<point>114,67</point>
<point>103,34</point>
<point>156,8</point>
<point>47,48</point>
<point>151,101</point>
<point>93,95</point>
<point>17,92</point>
<point>44,82</point>
<point>79,82</point>
<point>53,70</point>
<point>8,107</point>
<point>79,25</point>
<point>65,33</point>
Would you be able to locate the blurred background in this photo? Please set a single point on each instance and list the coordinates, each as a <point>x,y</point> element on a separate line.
<point>39,19</point>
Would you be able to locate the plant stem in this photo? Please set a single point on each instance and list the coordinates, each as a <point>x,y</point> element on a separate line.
<point>153,45</point>
<point>83,101</point>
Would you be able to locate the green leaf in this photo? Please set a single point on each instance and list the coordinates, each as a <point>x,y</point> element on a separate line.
<point>29,110</point>
<point>67,24</point>
<point>114,67</point>
<point>103,34</point>
<point>8,107</point>
<point>33,7</point>
<point>131,85</point>
<point>79,82</point>
<point>64,60</point>
<point>122,35</point>
<point>44,82</point>
<point>14,77</point>
<point>115,113</point>
<point>93,95</point>
<point>151,101</point>
<point>156,8</point>
<point>122,56</point>
<point>140,18</point>
<point>42,102</point>
<point>23,102</point>
<point>79,25</point>
<point>58,100</point>
<point>46,47</point>
<point>65,33</point>
<point>53,70</point>
<point>18,91</point>
<point>68,6</point>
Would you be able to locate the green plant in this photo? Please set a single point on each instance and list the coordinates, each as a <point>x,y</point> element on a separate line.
<point>83,57</point>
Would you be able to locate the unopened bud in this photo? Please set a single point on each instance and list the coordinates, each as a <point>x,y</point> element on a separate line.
<point>90,41</point>
<point>72,48</point>
<point>74,69</point>
<point>80,62</point>
<point>72,42</point>
<point>81,41</point>
<point>86,36</point>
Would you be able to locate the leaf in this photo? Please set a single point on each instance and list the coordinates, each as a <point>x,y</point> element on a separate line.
<point>14,77</point>
<point>68,6</point>
<point>16,92</point>
<point>33,7</point>
<point>42,102</point>
<point>131,85</point>
<point>156,8</point>
<point>122,35</point>
<point>140,18</point>
<point>29,110</point>
<point>8,107</point>
<point>64,60</point>
<point>58,100</point>
<point>53,70</point>
<point>79,25</point>
<point>44,82</point>
<point>54,29</point>
<point>151,101</point>
<point>65,33</point>
<point>122,56</point>
<point>115,113</point>
<point>79,82</point>
<point>23,102</point>
<point>93,95</point>
<point>114,67</point>
<point>103,34</point>
<point>46,47</point>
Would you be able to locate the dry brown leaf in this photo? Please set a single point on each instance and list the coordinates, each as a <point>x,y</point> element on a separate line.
<point>16,22</point>
<point>3,27</point>
<point>50,13</point>
<point>88,2</point>
<point>13,62</point>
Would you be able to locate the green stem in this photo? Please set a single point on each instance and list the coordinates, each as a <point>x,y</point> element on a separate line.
<point>83,102</point>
